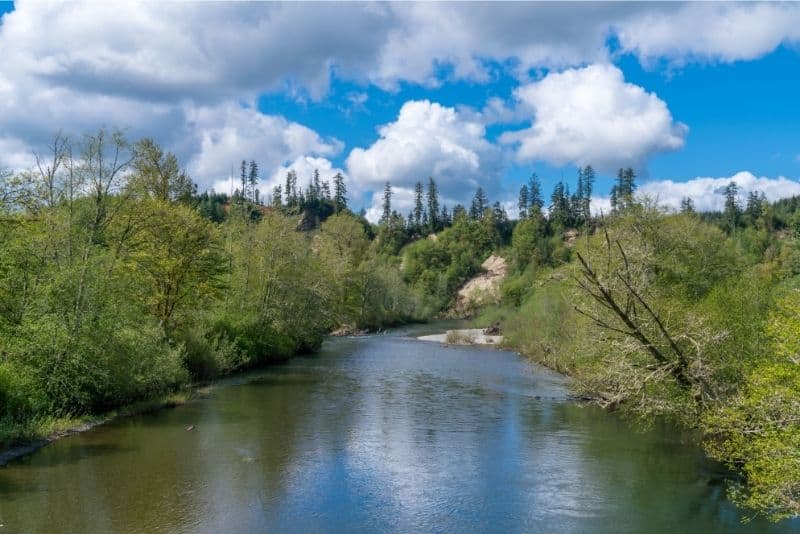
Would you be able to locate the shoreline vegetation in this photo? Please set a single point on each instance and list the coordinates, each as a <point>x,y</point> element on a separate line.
<point>119,283</point>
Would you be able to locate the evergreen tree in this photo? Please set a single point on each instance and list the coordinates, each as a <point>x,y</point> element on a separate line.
<point>445,217</point>
<point>243,178</point>
<point>459,211</point>
<point>523,202</point>
<point>732,209</point>
<point>479,204</point>
<point>387,203</point>
<point>317,185</point>
<point>433,206</point>
<point>252,180</point>
<point>277,197</point>
<point>687,205</point>
<point>756,202</point>
<point>339,193</point>
<point>290,190</point>
<point>535,201</point>
<point>560,205</point>
<point>586,195</point>
<point>418,206</point>
<point>626,186</point>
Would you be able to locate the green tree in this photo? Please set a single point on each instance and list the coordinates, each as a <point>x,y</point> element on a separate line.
<point>339,193</point>
<point>434,219</point>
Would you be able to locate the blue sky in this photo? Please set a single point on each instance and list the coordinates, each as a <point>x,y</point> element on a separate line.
<point>473,94</point>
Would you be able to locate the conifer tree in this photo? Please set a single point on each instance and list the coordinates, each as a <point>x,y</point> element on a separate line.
<point>339,193</point>
<point>418,206</point>
<point>433,206</point>
<point>387,203</point>
<point>535,201</point>
<point>522,204</point>
<point>479,204</point>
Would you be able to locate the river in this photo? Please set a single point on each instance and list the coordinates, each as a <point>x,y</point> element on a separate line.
<point>375,434</point>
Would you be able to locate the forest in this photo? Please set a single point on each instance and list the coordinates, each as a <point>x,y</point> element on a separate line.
<point>119,282</point>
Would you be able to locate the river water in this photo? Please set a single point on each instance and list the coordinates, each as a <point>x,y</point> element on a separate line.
<point>374,434</point>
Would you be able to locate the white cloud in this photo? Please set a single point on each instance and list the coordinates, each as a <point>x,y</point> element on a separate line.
<point>707,193</point>
<point>171,70</point>
<point>429,139</point>
<point>592,116</point>
<point>711,31</point>
<point>225,135</point>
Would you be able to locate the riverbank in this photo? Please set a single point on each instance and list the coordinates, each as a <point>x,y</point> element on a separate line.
<point>22,439</point>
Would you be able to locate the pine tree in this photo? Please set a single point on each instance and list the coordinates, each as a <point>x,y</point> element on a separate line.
<point>387,203</point>
<point>252,180</point>
<point>277,197</point>
<point>687,205</point>
<point>243,179</point>
<point>523,202</point>
<point>418,206</point>
<point>535,201</point>
<point>479,204</point>
<point>339,193</point>
<point>433,206</point>
<point>588,186</point>
<point>445,217</point>
<point>290,191</point>
<point>317,185</point>
<point>732,209</point>
<point>559,205</point>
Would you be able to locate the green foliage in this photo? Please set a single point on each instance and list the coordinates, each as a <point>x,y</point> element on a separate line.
<point>758,431</point>
<point>118,283</point>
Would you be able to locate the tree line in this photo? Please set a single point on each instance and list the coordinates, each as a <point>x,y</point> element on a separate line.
<point>119,282</point>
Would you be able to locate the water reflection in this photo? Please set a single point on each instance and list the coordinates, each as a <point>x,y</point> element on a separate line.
<point>374,434</point>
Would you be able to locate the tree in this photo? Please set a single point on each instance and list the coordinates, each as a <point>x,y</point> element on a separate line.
<point>560,207</point>
<point>687,205</point>
<point>535,202</point>
<point>523,202</point>
<point>174,253</point>
<point>290,189</point>
<point>731,211</point>
<point>339,193</point>
<point>243,179</point>
<point>588,176</point>
<point>277,197</point>
<point>756,205</point>
<point>252,181</point>
<point>434,222</point>
<point>622,193</point>
<point>479,204</point>
<point>445,217</point>
<point>387,203</point>
<point>418,206</point>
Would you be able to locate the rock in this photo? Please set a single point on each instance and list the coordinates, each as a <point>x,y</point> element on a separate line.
<point>493,330</point>
<point>482,289</point>
<point>348,330</point>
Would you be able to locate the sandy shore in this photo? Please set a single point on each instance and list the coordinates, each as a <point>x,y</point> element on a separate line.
<point>467,336</point>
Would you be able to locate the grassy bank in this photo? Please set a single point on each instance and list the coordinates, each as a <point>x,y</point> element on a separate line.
<point>18,438</point>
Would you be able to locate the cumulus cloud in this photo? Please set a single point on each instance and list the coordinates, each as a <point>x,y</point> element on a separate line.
<point>709,31</point>
<point>592,116</point>
<point>224,135</point>
<point>707,193</point>
<point>162,69</point>
<point>429,139</point>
